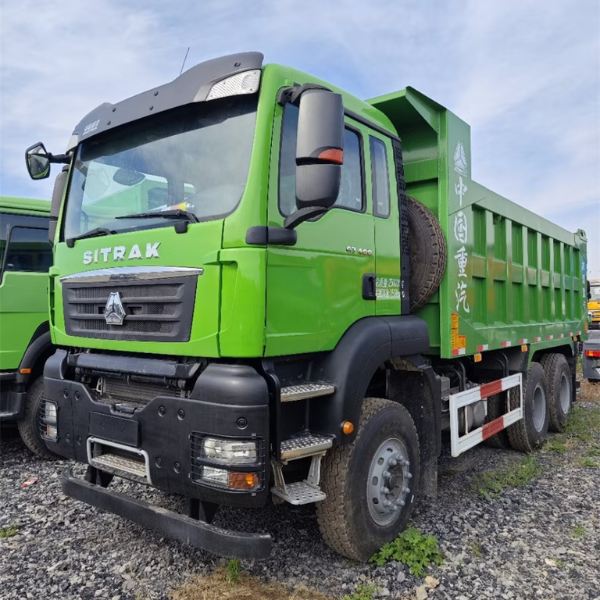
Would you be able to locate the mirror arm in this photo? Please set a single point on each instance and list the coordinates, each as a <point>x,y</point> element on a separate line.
<point>63,159</point>
<point>304,214</point>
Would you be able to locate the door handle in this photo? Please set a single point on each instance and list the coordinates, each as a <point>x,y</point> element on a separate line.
<point>369,290</point>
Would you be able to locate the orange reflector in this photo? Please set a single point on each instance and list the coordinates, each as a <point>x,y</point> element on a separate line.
<point>477,357</point>
<point>334,155</point>
<point>347,427</point>
<point>574,338</point>
<point>25,371</point>
<point>243,481</point>
<point>524,348</point>
<point>593,353</point>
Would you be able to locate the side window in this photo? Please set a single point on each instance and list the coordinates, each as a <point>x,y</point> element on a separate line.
<point>380,178</point>
<point>351,187</point>
<point>28,250</point>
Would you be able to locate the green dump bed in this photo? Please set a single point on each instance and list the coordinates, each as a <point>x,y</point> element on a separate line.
<point>512,277</point>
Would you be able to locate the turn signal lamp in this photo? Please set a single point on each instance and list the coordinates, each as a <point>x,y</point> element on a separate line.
<point>230,479</point>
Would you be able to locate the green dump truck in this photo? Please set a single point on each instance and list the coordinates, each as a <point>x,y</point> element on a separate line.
<point>25,344</point>
<point>266,289</point>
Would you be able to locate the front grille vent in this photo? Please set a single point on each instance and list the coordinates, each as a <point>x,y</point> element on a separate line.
<point>157,310</point>
<point>112,391</point>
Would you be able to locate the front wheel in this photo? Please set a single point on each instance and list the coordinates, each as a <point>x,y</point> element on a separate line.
<point>371,483</point>
<point>29,425</point>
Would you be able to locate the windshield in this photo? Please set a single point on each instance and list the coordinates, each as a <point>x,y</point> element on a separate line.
<point>194,159</point>
<point>595,293</point>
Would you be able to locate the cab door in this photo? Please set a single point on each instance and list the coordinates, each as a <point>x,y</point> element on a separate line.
<point>315,287</point>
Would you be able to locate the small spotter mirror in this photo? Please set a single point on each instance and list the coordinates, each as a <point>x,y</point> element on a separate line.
<point>128,177</point>
<point>38,161</point>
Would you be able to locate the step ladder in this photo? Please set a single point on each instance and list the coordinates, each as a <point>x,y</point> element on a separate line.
<point>305,445</point>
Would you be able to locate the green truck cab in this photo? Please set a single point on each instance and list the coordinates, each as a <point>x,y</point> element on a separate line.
<point>265,289</point>
<point>25,344</point>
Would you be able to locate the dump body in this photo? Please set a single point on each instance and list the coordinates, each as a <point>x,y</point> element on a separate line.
<point>512,276</point>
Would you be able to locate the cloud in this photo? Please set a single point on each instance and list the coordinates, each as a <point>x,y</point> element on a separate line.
<point>524,75</point>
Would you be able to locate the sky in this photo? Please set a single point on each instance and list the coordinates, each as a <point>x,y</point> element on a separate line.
<point>525,74</point>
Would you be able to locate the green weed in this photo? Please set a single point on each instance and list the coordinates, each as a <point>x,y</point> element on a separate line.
<point>411,548</point>
<point>588,462</point>
<point>578,531</point>
<point>6,532</point>
<point>516,474</point>
<point>233,570</point>
<point>476,550</point>
<point>363,592</point>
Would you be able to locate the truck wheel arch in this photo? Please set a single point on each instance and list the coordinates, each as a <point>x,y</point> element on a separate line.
<point>39,349</point>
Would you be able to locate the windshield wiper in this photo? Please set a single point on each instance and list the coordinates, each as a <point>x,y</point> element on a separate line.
<point>165,214</point>
<point>98,231</point>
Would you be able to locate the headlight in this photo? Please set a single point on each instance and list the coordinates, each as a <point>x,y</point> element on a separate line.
<point>246,82</point>
<point>230,452</point>
<point>230,479</point>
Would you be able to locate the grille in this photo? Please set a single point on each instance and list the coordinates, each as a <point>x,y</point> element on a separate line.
<point>158,310</point>
<point>119,390</point>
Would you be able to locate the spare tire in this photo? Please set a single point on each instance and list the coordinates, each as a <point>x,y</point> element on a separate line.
<point>428,254</point>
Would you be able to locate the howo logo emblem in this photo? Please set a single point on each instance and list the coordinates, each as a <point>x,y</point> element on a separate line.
<point>114,313</point>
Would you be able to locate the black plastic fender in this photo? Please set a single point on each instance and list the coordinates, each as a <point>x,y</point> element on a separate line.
<point>40,345</point>
<point>365,346</point>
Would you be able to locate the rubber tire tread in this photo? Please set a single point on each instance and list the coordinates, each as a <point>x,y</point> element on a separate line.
<point>555,364</point>
<point>500,440</point>
<point>428,254</point>
<point>518,432</point>
<point>333,522</point>
<point>29,425</point>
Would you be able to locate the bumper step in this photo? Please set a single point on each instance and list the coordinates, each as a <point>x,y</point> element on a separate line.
<point>112,463</point>
<point>305,445</point>
<point>305,391</point>
<point>168,523</point>
<point>300,492</point>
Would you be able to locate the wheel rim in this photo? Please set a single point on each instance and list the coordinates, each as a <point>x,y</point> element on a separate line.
<point>387,485</point>
<point>565,393</point>
<point>539,408</point>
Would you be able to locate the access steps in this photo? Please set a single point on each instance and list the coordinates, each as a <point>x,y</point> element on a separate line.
<point>302,446</point>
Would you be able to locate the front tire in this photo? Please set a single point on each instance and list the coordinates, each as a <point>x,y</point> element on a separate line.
<point>529,433</point>
<point>29,425</point>
<point>371,483</point>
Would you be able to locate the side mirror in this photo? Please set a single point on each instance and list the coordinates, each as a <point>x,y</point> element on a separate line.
<point>38,161</point>
<point>319,154</point>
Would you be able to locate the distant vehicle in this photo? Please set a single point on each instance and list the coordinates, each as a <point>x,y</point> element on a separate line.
<point>591,357</point>
<point>593,305</point>
<point>255,268</point>
<point>25,258</point>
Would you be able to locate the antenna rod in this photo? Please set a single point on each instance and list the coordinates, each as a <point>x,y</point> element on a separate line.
<point>184,59</point>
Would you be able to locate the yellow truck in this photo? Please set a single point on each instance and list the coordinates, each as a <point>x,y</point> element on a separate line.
<point>594,303</point>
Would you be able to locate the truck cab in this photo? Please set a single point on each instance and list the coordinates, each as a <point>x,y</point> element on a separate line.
<point>25,258</point>
<point>267,289</point>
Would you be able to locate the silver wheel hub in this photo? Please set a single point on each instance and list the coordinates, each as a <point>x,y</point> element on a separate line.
<point>539,408</point>
<point>565,394</point>
<point>388,481</point>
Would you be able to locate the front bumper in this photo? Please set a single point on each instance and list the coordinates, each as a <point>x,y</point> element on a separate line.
<point>171,524</point>
<point>166,429</point>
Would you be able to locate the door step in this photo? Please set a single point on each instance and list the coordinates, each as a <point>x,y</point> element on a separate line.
<point>305,445</point>
<point>299,493</point>
<point>304,391</point>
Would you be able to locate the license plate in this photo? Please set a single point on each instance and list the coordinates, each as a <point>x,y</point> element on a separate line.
<point>116,429</point>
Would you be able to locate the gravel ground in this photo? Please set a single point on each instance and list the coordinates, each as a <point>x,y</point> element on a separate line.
<point>519,545</point>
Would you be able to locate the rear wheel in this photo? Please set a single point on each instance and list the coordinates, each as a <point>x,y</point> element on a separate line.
<point>560,389</point>
<point>371,483</point>
<point>530,432</point>
<point>29,425</point>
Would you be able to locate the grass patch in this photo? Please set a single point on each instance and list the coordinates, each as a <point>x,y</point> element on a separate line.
<point>217,587</point>
<point>556,446</point>
<point>363,592</point>
<point>516,474</point>
<point>578,531</point>
<point>586,461</point>
<point>476,550</point>
<point>233,570</point>
<point>411,548</point>
<point>6,532</point>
